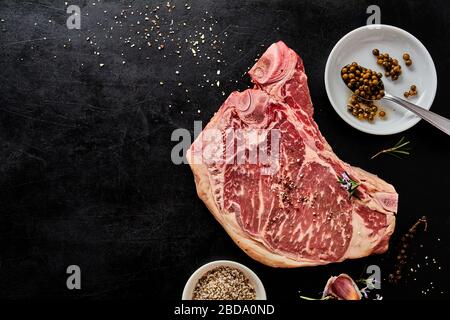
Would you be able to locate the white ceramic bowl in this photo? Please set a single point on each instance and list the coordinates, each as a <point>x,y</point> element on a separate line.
<point>252,277</point>
<point>357,46</point>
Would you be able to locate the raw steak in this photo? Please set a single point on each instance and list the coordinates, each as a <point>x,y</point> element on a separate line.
<point>287,209</point>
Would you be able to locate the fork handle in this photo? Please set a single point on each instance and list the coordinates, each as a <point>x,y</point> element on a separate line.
<point>434,119</point>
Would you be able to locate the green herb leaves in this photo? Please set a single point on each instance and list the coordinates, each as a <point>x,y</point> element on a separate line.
<point>348,184</point>
<point>401,148</point>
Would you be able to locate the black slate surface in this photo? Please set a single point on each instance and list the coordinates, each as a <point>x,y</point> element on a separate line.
<point>86,176</point>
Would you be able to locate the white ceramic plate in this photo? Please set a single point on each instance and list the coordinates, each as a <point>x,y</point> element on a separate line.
<point>357,46</point>
<point>251,276</point>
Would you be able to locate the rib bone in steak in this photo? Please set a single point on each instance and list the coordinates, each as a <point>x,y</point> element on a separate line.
<point>296,214</point>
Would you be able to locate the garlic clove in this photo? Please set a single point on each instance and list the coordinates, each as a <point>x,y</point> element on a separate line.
<point>342,287</point>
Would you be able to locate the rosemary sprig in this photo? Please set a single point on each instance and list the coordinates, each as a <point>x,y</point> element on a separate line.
<point>348,184</point>
<point>311,299</point>
<point>400,148</point>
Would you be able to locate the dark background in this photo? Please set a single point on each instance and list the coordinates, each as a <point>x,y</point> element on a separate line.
<point>86,176</point>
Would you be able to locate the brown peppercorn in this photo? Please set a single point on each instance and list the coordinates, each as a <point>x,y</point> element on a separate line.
<point>382,114</point>
<point>412,91</point>
<point>406,56</point>
<point>391,66</point>
<point>376,52</point>
<point>408,62</point>
<point>363,82</point>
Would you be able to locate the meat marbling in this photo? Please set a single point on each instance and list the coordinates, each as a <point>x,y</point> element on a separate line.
<point>289,211</point>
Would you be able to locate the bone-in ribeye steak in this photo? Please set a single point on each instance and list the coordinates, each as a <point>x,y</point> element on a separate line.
<point>292,212</point>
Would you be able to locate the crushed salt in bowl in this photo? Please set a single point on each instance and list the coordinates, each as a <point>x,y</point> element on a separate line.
<point>224,280</point>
